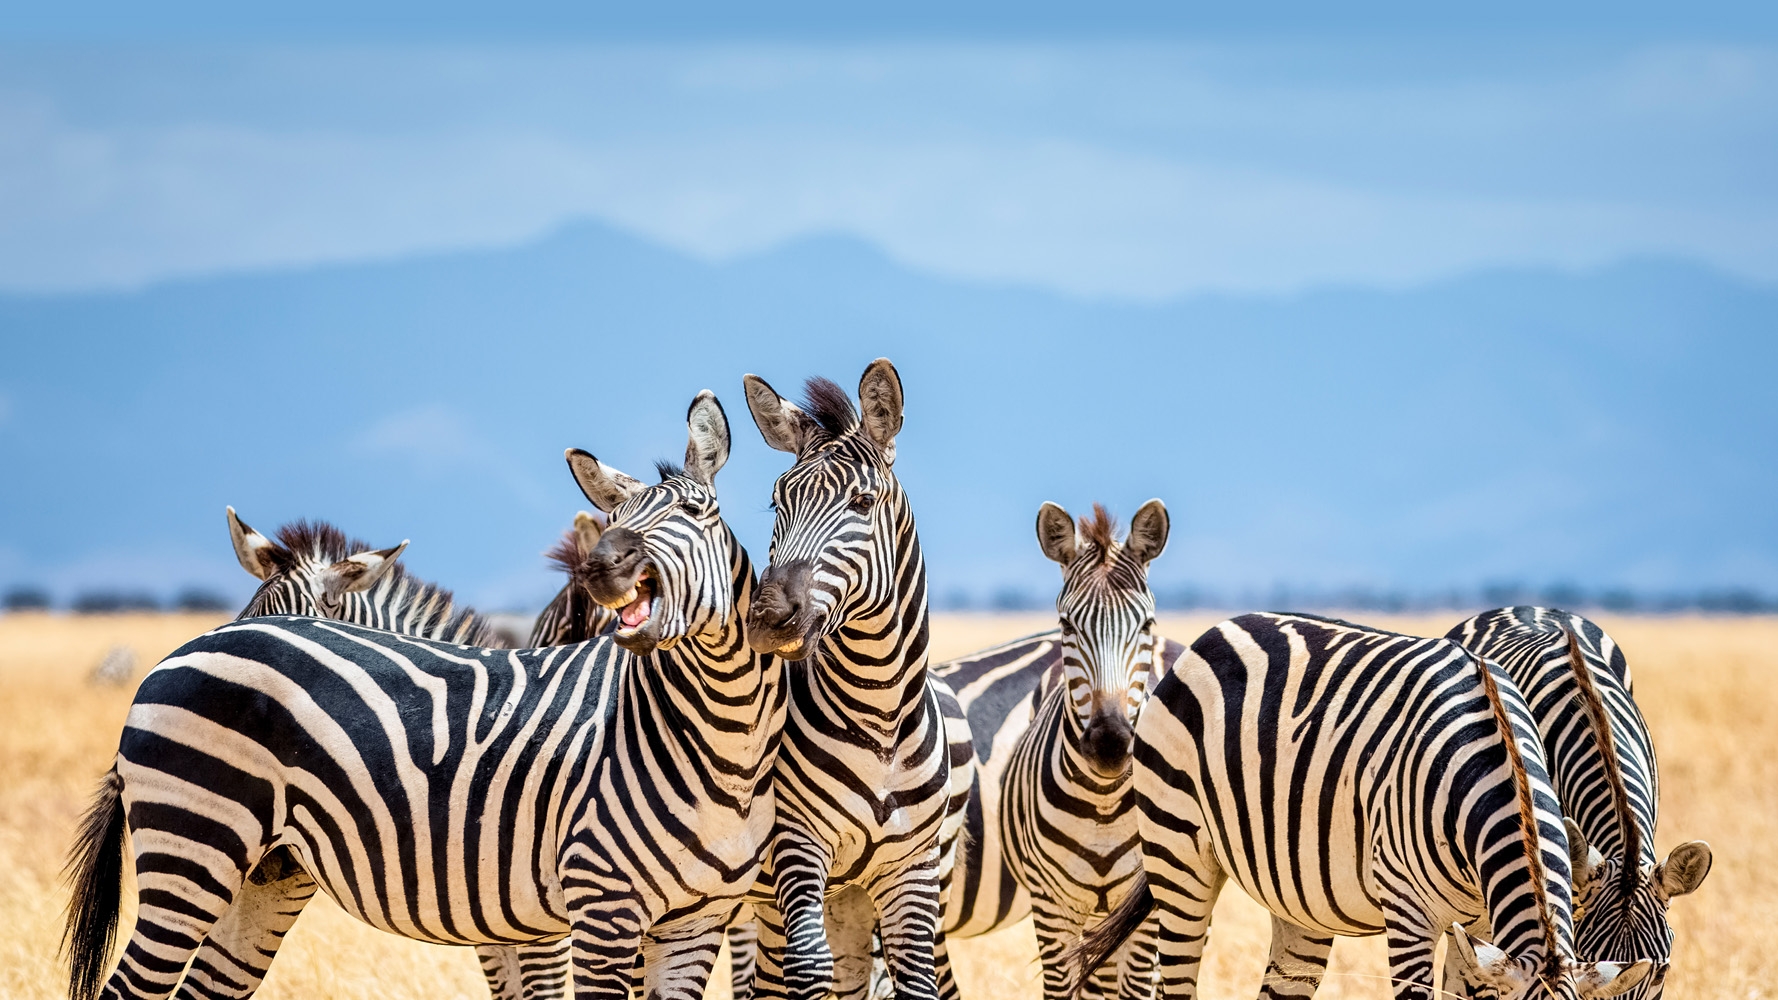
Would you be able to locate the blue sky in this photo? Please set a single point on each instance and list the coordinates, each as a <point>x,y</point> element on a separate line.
<point>1138,156</point>
<point>1578,203</point>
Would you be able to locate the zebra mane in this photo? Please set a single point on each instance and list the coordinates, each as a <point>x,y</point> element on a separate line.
<point>565,554</point>
<point>1101,530</point>
<point>396,591</point>
<point>318,539</point>
<point>1630,871</point>
<point>1527,815</point>
<point>829,406</point>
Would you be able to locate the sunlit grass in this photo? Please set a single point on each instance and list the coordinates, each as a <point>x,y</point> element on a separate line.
<point>1706,686</point>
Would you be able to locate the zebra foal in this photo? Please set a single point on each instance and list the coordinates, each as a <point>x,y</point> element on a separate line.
<point>1353,782</point>
<point>458,794</point>
<point>1067,816</point>
<point>1577,683</point>
<point>874,771</point>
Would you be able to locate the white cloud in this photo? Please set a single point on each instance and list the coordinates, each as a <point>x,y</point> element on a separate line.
<point>1141,171</point>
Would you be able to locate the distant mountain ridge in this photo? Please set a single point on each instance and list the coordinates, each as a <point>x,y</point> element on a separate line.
<point>1612,429</point>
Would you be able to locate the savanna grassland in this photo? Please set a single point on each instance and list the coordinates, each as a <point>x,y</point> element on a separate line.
<point>1706,686</point>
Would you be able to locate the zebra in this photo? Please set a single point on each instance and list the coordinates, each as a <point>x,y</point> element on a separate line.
<point>1067,818</point>
<point>313,570</point>
<point>1577,683</point>
<point>870,784</point>
<point>1353,782</point>
<point>453,793</point>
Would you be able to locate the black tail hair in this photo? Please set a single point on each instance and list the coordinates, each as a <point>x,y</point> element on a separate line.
<point>95,866</point>
<point>1108,935</point>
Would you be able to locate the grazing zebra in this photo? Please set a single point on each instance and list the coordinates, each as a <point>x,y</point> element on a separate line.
<point>1602,761</point>
<point>312,570</point>
<point>1353,782</point>
<point>1067,818</point>
<point>458,794</point>
<point>870,787</point>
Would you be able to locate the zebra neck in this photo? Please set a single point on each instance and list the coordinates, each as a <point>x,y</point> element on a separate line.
<point>877,660</point>
<point>713,697</point>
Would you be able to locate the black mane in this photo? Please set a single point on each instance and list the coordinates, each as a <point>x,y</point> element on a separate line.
<point>668,469</point>
<point>319,539</point>
<point>829,406</point>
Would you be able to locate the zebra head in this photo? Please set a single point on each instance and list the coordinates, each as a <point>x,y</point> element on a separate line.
<point>843,534</point>
<point>665,560</point>
<point>1623,914</point>
<point>308,571</point>
<point>1107,617</point>
<point>1494,973</point>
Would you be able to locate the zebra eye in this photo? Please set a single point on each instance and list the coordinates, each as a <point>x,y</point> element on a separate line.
<point>862,502</point>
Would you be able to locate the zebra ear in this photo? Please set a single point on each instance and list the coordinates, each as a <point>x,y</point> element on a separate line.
<point>360,572</point>
<point>1583,858</point>
<point>1684,869</point>
<point>1148,532</point>
<point>706,449</point>
<point>782,423</point>
<point>604,486</point>
<point>258,554</point>
<point>587,530</point>
<point>1055,533</point>
<point>1599,980</point>
<point>879,397</point>
<point>1486,965</point>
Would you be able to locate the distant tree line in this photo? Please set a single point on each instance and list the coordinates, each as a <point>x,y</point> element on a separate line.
<point>107,600</point>
<point>1715,600</point>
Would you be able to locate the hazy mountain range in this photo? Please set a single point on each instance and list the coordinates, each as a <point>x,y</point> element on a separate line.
<point>1614,429</point>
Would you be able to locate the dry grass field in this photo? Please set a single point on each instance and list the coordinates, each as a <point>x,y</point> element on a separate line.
<point>1706,685</point>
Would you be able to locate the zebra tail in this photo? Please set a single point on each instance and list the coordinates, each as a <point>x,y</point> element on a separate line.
<point>1103,939</point>
<point>95,867</point>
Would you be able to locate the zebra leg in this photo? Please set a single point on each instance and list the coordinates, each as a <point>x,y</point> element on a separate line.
<point>183,889</point>
<point>743,953</point>
<point>677,963</point>
<point>606,939</point>
<point>1136,965</point>
<point>769,952</point>
<point>526,972</point>
<point>233,959</point>
<point>1184,894</point>
<point>911,910</point>
<point>500,967</point>
<point>1411,940</point>
<point>851,920</point>
<point>1056,930</point>
<point>1297,962</point>
<point>794,959</point>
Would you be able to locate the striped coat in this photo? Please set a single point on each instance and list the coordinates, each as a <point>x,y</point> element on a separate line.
<point>459,794</point>
<point>1353,782</point>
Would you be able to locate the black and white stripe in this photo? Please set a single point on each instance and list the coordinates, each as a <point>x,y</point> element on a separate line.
<point>1067,812</point>
<point>453,793</point>
<point>1353,782</point>
<point>1577,683</point>
<point>869,791</point>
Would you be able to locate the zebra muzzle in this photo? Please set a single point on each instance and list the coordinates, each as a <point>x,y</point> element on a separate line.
<point>778,621</point>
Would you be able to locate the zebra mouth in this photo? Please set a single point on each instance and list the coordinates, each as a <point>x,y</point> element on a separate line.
<point>637,606</point>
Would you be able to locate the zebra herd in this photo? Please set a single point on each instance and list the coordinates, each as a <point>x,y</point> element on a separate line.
<point>683,751</point>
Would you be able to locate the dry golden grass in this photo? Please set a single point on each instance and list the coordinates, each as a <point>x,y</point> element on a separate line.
<point>1706,686</point>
